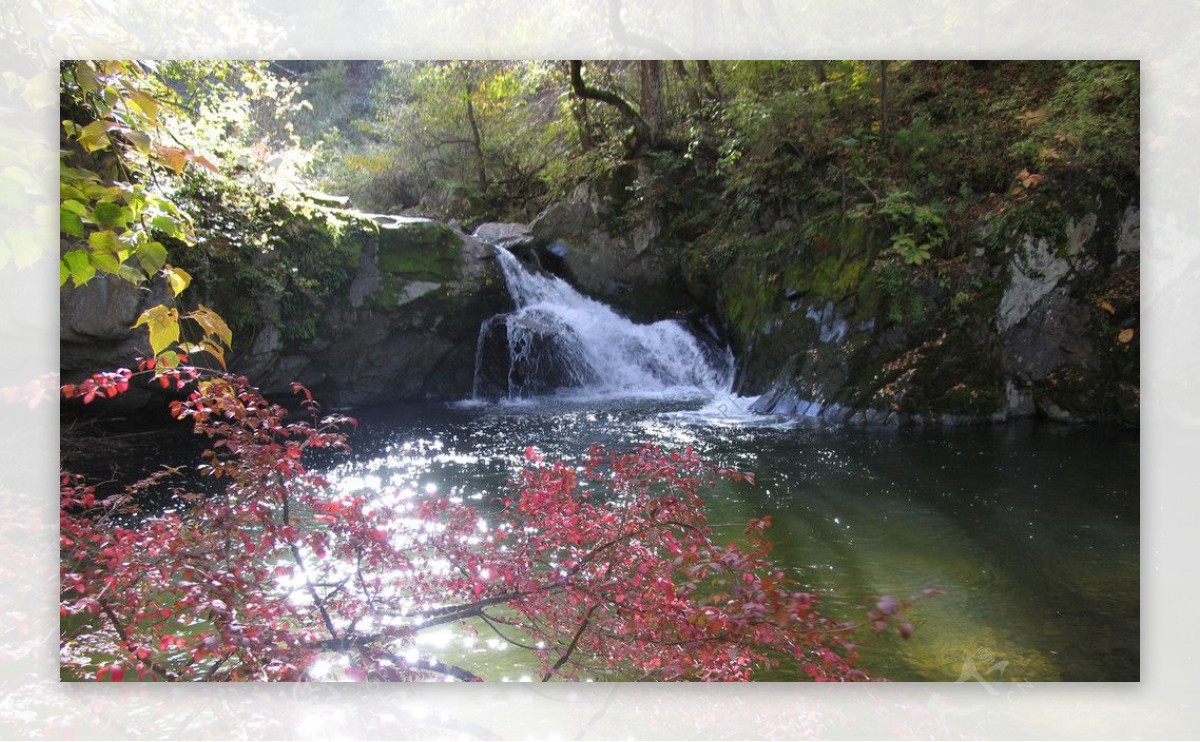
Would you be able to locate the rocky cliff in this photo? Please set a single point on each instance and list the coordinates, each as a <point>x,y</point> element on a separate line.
<point>400,320</point>
<point>1034,316</point>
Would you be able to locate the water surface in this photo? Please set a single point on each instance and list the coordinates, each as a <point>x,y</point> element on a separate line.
<point>1032,529</point>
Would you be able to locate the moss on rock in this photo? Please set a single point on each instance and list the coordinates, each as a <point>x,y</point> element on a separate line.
<point>418,250</point>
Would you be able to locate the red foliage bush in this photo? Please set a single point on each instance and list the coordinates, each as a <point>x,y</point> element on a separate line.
<point>605,570</point>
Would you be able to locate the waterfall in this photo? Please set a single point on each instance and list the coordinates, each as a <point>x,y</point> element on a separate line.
<point>558,341</point>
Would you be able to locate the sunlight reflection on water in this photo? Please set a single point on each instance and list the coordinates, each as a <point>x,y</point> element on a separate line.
<point>1032,530</point>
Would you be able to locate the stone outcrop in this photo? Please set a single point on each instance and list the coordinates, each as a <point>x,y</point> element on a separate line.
<point>848,337</point>
<point>404,326</point>
<point>624,259</point>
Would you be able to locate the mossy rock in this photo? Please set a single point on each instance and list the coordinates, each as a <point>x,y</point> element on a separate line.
<point>418,250</point>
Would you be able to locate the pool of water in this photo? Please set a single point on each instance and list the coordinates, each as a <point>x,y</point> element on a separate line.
<point>1031,529</point>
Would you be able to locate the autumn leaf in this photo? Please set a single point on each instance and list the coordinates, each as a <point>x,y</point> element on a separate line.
<point>212,324</point>
<point>1125,335</point>
<point>178,279</point>
<point>163,325</point>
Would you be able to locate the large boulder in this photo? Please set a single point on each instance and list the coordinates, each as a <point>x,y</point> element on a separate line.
<point>614,252</point>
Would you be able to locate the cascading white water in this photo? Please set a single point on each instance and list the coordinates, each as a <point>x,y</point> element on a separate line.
<point>559,341</point>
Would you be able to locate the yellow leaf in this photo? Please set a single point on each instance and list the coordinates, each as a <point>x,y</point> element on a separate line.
<point>178,279</point>
<point>172,157</point>
<point>212,323</point>
<point>1107,306</point>
<point>1125,335</point>
<point>163,324</point>
<point>214,350</point>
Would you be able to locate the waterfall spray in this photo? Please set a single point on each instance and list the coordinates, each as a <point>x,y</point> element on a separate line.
<point>558,341</point>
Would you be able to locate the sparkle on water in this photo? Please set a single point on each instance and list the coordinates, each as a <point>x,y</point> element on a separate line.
<point>1031,529</point>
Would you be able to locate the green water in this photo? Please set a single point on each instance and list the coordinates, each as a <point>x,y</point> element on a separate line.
<point>1031,529</point>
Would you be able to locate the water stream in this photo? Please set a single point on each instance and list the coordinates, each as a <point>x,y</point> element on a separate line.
<point>558,342</point>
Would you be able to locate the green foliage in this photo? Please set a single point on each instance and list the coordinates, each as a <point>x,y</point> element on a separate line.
<point>919,228</point>
<point>466,139</point>
<point>905,302</point>
<point>268,259</point>
<point>111,207</point>
<point>1090,122</point>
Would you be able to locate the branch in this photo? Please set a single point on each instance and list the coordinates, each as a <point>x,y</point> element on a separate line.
<point>641,130</point>
<point>126,639</point>
<point>491,622</point>
<point>295,550</point>
<point>562,660</point>
<point>453,671</point>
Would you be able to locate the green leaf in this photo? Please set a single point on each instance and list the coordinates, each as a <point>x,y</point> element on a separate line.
<point>104,241</point>
<point>78,264</point>
<point>167,225</point>
<point>130,273</point>
<point>94,136</point>
<point>70,223</point>
<point>152,256</point>
<point>109,214</point>
<point>145,104</point>
<point>106,262</point>
<point>163,325</point>
<point>74,207</point>
<point>139,139</point>
<point>86,77</point>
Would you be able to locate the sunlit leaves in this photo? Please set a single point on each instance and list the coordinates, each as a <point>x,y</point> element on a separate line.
<point>70,223</point>
<point>217,335</point>
<point>152,256</point>
<point>163,325</point>
<point>177,158</point>
<point>178,279</point>
<point>77,266</point>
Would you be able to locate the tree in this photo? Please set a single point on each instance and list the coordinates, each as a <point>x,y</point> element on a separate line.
<point>607,569</point>
<point>131,131</point>
<point>643,133</point>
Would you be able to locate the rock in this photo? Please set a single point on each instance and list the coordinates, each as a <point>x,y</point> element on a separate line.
<point>628,266</point>
<point>1053,333</point>
<point>503,234</point>
<point>1044,330</point>
<point>1034,272</point>
<point>404,325</point>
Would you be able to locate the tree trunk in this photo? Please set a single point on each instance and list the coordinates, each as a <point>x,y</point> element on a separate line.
<point>476,138</point>
<point>823,81</point>
<point>883,121</point>
<point>651,73</point>
<point>579,110</point>
<point>708,81</point>
<point>689,85</point>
